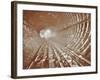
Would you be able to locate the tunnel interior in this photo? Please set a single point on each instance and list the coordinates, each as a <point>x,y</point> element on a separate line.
<point>56,39</point>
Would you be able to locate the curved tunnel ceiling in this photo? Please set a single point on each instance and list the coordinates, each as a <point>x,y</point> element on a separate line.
<point>56,39</point>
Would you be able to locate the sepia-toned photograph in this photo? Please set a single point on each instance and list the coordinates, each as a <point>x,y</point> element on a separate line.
<point>56,39</point>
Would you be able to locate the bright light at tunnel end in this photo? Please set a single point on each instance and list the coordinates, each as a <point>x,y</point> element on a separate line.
<point>46,33</point>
